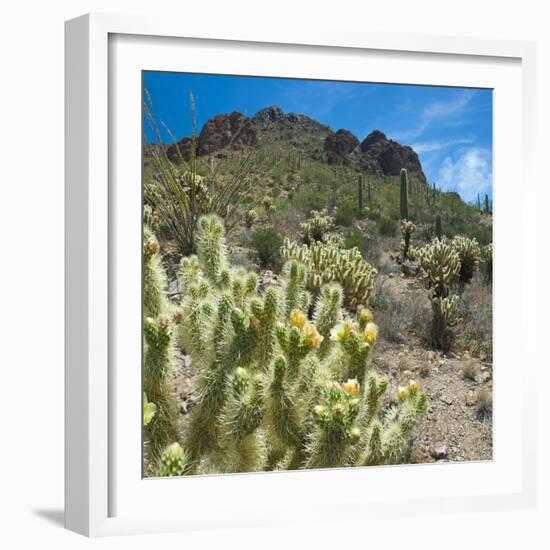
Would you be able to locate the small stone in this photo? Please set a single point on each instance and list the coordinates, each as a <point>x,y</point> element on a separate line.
<point>439,451</point>
<point>446,399</point>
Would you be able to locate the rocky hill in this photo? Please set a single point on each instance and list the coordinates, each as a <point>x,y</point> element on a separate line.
<point>375,155</point>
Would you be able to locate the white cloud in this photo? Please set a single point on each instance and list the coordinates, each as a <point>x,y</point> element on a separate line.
<point>433,112</point>
<point>431,146</point>
<point>470,172</point>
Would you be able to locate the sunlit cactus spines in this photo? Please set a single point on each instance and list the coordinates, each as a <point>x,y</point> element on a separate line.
<point>157,368</point>
<point>278,384</point>
<point>404,194</point>
<point>294,287</point>
<point>442,266</point>
<point>154,277</point>
<point>335,433</point>
<point>211,247</point>
<point>327,262</point>
<point>317,226</point>
<point>172,461</point>
<point>469,253</point>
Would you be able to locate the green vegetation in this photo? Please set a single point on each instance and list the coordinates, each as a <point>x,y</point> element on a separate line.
<point>277,388</point>
<point>259,267</point>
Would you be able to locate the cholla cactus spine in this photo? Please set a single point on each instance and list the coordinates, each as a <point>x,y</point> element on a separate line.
<point>154,277</point>
<point>164,428</point>
<point>172,461</point>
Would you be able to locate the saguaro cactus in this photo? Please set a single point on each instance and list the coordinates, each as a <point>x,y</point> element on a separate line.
<point>487,210</point>
<point>404,195</point>
<point>360,185</point>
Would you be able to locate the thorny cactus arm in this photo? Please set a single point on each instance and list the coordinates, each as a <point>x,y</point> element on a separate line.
<point>328,311</point>
<point>335,433</point>
<point>164,429</point>
<point>211,247</point>
<point>244,415</point>
<point>172,461</point>
<point>154,278</point>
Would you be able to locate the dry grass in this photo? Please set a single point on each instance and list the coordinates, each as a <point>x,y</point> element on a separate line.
<point>400,312</point>
<point>476,328</point>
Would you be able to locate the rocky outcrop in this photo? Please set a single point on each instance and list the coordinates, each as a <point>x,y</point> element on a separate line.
<point>389,155</point>
<point>338,145</point>
<point>234,130</point>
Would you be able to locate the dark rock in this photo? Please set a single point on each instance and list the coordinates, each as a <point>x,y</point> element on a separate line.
<point>339,144</point>
<point>439,451</point>
<point>390,156</point>
<point>234,130</point>
<point>409,269</point>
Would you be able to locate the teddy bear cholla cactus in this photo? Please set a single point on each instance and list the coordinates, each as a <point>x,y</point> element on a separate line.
<point>469,253</point>
<point>317,226</point>
<point>275,388</point>
<point>407,229</point>
<point>441,263</point>
<point>328,261</point>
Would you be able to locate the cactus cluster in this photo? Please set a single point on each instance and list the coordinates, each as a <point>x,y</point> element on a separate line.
<point>469,253</point>
<point>328,261</point>
<point>441,263</point>
<point>317,226</point>
<point>282,376</point>
<point>407,229</point>
<point>487,258</point>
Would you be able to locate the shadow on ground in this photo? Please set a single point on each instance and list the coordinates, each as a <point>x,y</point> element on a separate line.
<point>54,516</point>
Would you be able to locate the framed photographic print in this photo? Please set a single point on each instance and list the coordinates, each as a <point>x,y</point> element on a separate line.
<point>288,276</point>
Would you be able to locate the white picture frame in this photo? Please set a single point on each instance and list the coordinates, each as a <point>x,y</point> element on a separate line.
<point>101,496</point>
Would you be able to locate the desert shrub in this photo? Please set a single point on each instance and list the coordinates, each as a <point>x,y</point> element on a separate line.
<point>266,243</point>
<point>310,197</point>
<point>346,211</point>
<point>180,195</point>
<point>387,227</point>
<point>398,313</point>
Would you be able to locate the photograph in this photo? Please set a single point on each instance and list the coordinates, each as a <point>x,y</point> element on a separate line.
<point>317,274</point>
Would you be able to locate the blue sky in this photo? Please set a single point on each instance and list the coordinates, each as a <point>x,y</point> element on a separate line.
<point>450,128</point>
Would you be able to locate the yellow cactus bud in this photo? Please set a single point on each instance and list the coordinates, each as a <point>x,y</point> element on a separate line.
<point>297,319</point>
<point>312,337</point>
<point>402,392</point>
<point>413,386</point>
<point>342,330</point>
<point>352,387</point>
<point>370,334</point>
<point>164,321</point>
<point>366,315</point>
